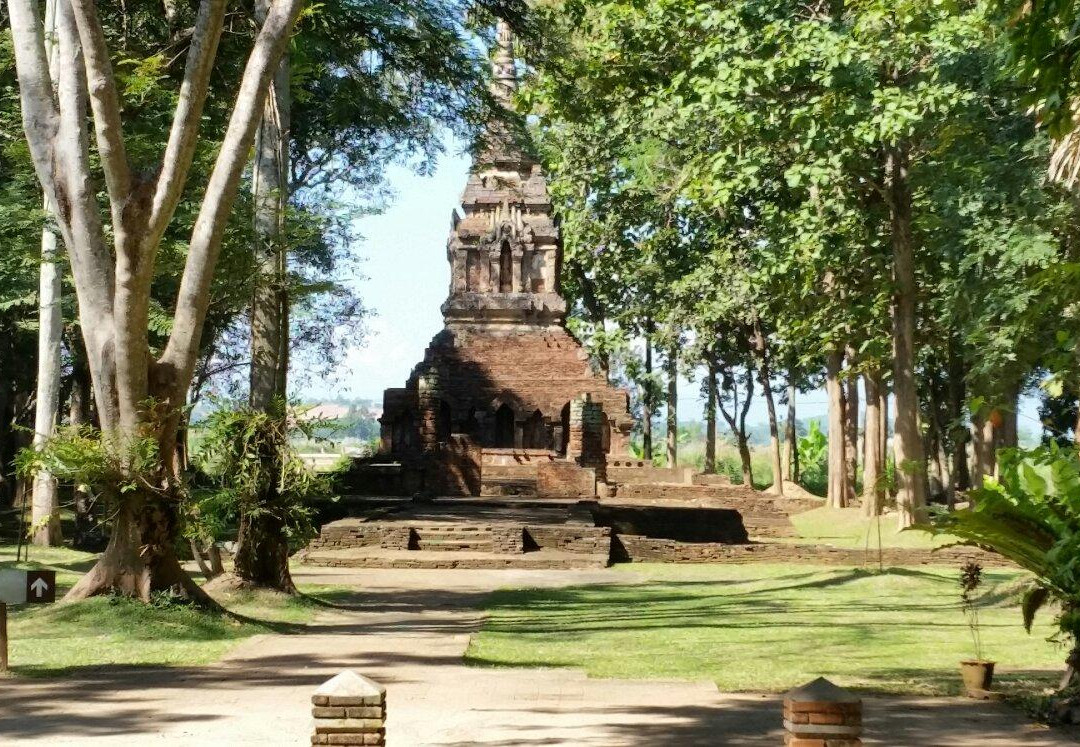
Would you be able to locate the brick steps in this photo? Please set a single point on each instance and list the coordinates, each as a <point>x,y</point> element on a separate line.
<point>373,558</point>
<point>455,545</point>
<point>452,538</point>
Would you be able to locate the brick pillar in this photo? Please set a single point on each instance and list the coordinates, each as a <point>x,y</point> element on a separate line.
<point>820,714</point>
<point>586,446</point>
<point>350,710</point>
<point>428,394</point>
<point>574,437</point>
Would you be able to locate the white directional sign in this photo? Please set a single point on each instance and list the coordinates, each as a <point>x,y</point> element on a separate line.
<point>32,587</point>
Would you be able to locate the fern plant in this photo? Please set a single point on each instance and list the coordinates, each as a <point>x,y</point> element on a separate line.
<point>1031,515</point>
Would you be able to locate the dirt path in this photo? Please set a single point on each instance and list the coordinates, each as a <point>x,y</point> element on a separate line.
<point>411,635</point>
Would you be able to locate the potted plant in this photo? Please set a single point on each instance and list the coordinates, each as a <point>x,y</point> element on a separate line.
<point>977,673</point>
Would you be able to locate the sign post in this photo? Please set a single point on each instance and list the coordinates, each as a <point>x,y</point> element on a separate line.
<point>22,587</point>
<point>3,638</point>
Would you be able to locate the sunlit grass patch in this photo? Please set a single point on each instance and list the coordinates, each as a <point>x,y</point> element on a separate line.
<point>769,628</point>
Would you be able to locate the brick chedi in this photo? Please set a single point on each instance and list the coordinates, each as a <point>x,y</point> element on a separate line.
<point>504,370</point>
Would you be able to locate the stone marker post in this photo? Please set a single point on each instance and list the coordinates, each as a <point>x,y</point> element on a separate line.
<point>820,714</point>
<point>349,709</point>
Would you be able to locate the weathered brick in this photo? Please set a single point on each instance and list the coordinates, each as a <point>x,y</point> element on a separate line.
<point>348,725</point>
<point>328,712</point>
<point>378,712</point>
<point>369,700</point>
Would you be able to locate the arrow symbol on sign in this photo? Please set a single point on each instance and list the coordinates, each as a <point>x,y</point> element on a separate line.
<point>39,587</point>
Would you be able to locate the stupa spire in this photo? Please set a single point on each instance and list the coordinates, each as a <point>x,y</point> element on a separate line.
<point>503,72</point>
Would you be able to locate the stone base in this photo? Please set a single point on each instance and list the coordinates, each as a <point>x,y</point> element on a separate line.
<point>376,558</point>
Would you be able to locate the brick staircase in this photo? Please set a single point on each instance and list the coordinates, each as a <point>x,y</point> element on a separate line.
<point>452,538</point>
<point>466,543</point>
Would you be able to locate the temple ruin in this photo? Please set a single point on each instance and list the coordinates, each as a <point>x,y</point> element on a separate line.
<point>505,398</point>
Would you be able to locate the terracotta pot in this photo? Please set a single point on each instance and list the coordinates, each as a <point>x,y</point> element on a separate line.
<point>977,675</point>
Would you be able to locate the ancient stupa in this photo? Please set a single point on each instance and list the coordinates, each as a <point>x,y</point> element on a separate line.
<point>503,371</point>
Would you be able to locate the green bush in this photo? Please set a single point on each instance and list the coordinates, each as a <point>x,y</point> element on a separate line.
<point>1031,515</point>
<point>253,468</point>
<point>814,460</point>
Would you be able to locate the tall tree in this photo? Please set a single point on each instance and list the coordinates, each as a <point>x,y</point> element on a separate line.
<point>139,395</point>
<point>45,515</point>
<point>672,407</point>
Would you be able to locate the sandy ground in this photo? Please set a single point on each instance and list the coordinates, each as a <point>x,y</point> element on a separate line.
<point>410,634</point>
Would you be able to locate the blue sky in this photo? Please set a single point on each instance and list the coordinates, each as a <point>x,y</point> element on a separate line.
<point>405,278</point>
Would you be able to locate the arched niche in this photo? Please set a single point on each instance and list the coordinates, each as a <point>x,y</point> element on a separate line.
<point>504,427</point>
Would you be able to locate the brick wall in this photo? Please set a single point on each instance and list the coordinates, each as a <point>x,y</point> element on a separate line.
<point>508,539</point>
<point>339,535</point>
<point>565,479</point>
<point>454,467</point>
<point>575,538</point>
<point>685,524</point>
<point>639,549</point>
<point>536,370</point>
<point>624,473</point>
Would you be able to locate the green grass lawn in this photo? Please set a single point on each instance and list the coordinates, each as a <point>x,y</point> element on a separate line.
<point>59,638</point>
<point>848,527</point>
<point>769,628</point>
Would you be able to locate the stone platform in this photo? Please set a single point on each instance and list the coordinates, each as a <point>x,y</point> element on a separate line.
<point>522,533</point>
<point>374,557</point>
<point>764,515</point>
<point>464,533</point>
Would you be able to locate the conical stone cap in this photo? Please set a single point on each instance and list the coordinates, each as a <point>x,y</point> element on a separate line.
<point>820,691</point>
<point>349,688</point>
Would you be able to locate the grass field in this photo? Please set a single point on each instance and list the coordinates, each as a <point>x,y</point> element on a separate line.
<point>769,628</point>
<point>848,527</point>
<point>59,638</point>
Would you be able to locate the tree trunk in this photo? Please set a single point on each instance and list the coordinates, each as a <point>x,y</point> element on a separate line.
<point>744,460</point>
<point>673,408</point>
<point>710,421</point>
<point>851,427</point>
<point>983,446</point>
<point>45,512</point>
<point>646,406</point>
<point>791,446</point>
<point>837,493</point>
<point>45,515</point>
<point>910,460</point>
<point>262,553</point>
<point>744,442</point>
<point>958,433</point>
<point>736,420</point>
<point>761,347</point>
<point>270,197</point>
<point>873,493</point>
<point>884,435</point>
<point>139,559</point>
<point>197,554</point>
<point>1009,435</point>
<point>79,416</point>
